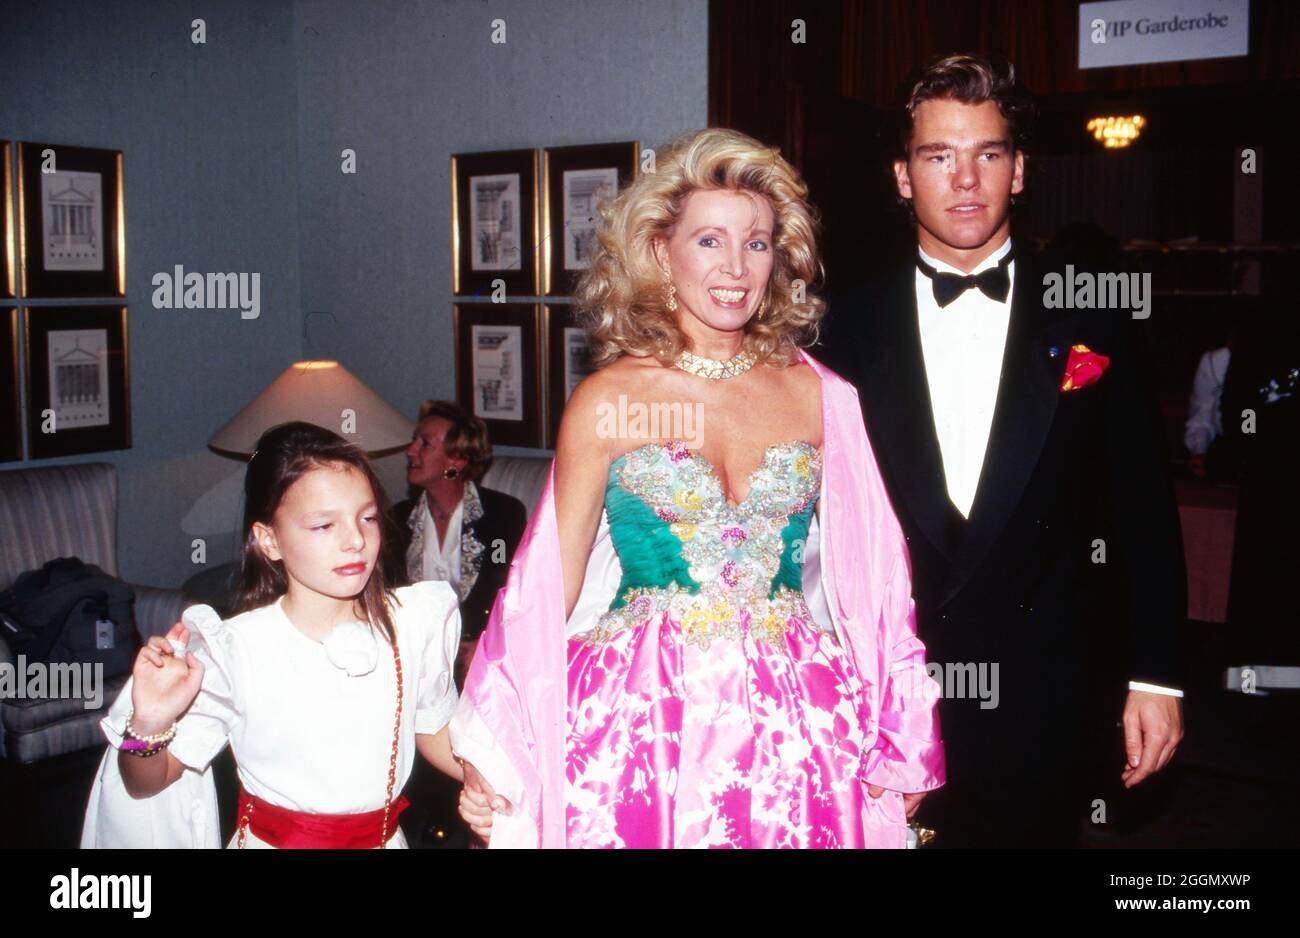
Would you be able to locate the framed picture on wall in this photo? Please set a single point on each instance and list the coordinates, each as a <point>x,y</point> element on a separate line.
<point>568,361</point>
<point>8,284</point>
<point>78,380</point>
<point>70,208</point>
<point>575,179</point>
<point>10,418</point>
<point>494,222</point>
<point>498,375</point>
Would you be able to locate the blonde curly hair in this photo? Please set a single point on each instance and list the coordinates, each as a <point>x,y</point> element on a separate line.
<point>621,297</point>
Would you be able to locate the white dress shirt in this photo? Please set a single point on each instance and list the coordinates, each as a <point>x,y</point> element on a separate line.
<point>442,560</point>
<point>1205,416</point>
<point>963,345</point>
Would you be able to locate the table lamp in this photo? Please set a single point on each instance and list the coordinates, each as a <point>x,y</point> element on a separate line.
<point>326,394</point>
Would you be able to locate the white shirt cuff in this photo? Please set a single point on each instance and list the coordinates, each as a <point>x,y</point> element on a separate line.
<point>1155,689</point>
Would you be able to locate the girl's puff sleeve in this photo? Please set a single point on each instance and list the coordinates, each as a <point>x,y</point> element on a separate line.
<point>436,604</point>
<point>204,730</point>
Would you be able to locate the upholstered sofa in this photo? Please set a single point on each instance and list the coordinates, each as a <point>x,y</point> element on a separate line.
<point>524,477</point>
<point>64,511</point>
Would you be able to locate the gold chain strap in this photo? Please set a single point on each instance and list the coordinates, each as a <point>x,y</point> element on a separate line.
<point>392,766</point>
<point>397,735</point>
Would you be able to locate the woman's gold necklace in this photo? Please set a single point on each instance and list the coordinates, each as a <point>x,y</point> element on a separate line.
<point>714,369</point>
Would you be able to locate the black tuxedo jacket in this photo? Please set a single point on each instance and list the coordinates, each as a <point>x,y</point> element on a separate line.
<point>1016,584</point>
<point>503,517</point>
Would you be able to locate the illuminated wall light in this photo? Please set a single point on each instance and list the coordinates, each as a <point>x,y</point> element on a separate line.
<point>1112,132</point>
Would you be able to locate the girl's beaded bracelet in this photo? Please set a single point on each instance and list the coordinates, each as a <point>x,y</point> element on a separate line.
<point>144,746</point>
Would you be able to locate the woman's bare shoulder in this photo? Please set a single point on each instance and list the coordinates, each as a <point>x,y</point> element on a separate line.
<point>585,424</point>
<point>624,375</point>
<point>798,376</point>
<point>594,393</point>
<point>800,387</point>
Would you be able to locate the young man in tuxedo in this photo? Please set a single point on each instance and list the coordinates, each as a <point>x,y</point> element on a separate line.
<point>1021,446</point>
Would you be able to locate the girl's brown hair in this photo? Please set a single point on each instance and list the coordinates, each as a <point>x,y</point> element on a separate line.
<point>285,454</point>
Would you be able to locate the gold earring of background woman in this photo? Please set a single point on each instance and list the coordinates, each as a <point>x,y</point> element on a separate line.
<point>440,515</point>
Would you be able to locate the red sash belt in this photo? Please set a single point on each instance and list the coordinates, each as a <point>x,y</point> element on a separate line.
<point>287,829</point>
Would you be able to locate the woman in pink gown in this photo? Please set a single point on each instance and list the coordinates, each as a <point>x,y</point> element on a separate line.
<point>707,637</point>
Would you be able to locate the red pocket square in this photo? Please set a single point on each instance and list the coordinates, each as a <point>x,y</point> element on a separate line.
<point>1084,367</point>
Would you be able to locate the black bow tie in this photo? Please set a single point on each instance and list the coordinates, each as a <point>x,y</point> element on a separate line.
<point>995,283</point>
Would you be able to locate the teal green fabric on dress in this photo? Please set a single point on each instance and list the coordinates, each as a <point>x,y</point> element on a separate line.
<point>671,523</point>
<point>650,554</point>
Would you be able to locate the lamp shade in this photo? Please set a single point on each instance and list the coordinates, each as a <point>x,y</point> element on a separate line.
<point>320,392</point>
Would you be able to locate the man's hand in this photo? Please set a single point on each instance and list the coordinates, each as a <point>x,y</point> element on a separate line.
<point>911,800</point>
<point>1153,727</point>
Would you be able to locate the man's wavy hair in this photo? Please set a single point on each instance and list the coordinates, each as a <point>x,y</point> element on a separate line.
<point>621,298</point>
<point>971,79</point>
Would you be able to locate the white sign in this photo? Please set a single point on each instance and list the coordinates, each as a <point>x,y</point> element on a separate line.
<point>74,220</point>
<point>78,363</point>
<point>498,378</point>
<point>1133,32</point>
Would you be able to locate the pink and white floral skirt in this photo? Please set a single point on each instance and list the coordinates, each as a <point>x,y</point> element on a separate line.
<point>734,742</point>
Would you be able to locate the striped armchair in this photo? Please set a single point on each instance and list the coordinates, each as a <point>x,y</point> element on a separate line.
<point>64,511</point>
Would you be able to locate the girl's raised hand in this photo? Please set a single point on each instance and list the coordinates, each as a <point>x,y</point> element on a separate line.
<point>165,684</point>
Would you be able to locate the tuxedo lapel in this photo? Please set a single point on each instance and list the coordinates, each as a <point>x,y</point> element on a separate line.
<point>901,416</point>
<point>1028,393</point>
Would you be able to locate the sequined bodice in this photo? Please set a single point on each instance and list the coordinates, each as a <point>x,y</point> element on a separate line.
<point>676,533</point>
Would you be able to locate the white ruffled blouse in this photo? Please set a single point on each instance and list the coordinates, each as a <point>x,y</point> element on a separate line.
<point>311,727</point>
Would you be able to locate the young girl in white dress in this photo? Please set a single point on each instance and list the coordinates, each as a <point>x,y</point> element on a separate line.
<point>325,685</point>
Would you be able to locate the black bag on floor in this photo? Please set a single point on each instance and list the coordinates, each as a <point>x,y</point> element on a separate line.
<point>71,612</point>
